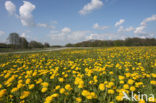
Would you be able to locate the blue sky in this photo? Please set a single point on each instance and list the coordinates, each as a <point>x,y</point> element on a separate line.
<point>69,21</point>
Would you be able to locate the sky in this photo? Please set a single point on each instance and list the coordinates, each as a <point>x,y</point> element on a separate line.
<point>59,22</point>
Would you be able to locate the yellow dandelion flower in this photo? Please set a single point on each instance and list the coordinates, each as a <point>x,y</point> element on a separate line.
<point>102,87</point>
<point>43,90</point>
<point>62,90</point>
<point>110,91</point>
<point>78,99</point>
<point>24,94</point>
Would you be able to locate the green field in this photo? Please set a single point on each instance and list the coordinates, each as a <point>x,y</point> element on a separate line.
<point>95,75</point>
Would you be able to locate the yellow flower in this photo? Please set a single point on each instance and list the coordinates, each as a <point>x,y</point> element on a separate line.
<point>132,88</point>
<point>130,81</point>
<point>48,99</point>
<point>2,92</point>
<point>28,81</point>
<point>93,95</point>
<point>78,99</point>
<point>0,85</point>
<point>14,90</point>
<point>24,94</point>
<point>39,81</point>
<point>68,87</point>
<point>89,97</point>
<point>55,95</point>
<point>121,77</point>
<point>20,85</point>
<point>57,87</point>
<point>152,100</point>
<point>85,93</point>
<point>119,98</point>
<point>126,86</point>
<point>31,86</point>
<point>61,79</point>
<point>128,75</point>
<point>110,84</point>
<point>81,85</point>
<point>102,87</point>
<point>11,96</point>
<point>45,84</point>
<point>62,90</point>
<point>110,91</point>
<point>43,90</point>
<point>153,82</point>
<point>142,101</point>
<point>22,101</point>
<point>122,82</point>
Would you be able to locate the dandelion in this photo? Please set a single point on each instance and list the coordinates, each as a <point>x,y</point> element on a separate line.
<point>102,87</point>
<point>14,90</point>
<point>28,81</point>
<point>126,86</point>
<point>132,88</point>
<point>130,81</point>
<point>110,91</point>
<point>43,90</point>
<point>2,92</point>
<point>62,90</point>
<point>61,79</point>
<point>31,86</point>
<point>57,87</point>
<point>68,87</point>
<point>45,84</point>
<point>24,94</point>
<point>78,99</point>
<point>119,98</point>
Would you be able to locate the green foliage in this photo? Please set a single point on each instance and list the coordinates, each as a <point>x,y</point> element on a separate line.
<point>110,43</point>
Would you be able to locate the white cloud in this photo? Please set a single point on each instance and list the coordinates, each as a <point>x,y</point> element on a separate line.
<point>66,30</point>
<point>143,25</point>
<point>105,36</point>
<point>98,27</point>
<point>130,29</point>
<point>25,12</point>
<point>121,21</point>
<point>145,21</point>
<point>66,35</point>
<point>122,29</point>
<point>94,4</point>
<point>77,36</point>
<point>45,26</point>
<point>2,33</point>
<point>10,7</point>
<point>26,17</point>
<point>25,35</point>
<point>139,29</point>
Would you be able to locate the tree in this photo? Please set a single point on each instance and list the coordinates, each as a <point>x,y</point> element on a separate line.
<point>69,45</point>
<point>23,42</point>
<point>14,40</point>
<point>35,44</point>
<point>46,45</point>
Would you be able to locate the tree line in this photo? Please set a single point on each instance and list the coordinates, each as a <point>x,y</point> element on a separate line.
<point>18,42</point>
<point>108,43</point>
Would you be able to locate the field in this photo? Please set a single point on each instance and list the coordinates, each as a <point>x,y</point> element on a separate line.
<point>95,75</point>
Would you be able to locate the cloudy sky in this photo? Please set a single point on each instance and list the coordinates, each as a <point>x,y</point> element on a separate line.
<point>69,21</point>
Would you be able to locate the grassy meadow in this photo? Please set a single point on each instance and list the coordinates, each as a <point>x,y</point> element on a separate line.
<point>94,75</point>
